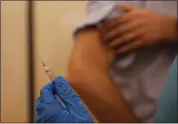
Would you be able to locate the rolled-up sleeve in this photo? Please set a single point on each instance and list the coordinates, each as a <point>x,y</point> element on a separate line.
<point>98,11</point>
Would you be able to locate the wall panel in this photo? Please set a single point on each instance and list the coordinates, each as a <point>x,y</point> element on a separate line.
<point>14,69</point>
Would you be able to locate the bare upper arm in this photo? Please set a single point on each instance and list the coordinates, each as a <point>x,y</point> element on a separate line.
<point>85,49</point>
<point>87,76</point>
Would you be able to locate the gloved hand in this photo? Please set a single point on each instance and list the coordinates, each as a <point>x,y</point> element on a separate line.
<point>51,111</point>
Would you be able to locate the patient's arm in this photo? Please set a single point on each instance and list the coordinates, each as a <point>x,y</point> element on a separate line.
<point>88,75</point>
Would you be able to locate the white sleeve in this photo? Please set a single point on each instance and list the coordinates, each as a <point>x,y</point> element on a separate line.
<point>98,11</point>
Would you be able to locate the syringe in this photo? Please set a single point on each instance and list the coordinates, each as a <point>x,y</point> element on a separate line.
<point>52,77</point>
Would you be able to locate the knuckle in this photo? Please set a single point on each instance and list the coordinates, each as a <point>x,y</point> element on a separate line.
<point>41,91</point>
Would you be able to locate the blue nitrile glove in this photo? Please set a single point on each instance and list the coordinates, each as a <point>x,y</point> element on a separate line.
<point>50,110</point>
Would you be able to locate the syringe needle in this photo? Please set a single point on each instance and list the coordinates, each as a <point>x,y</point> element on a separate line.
<point>43,63</point>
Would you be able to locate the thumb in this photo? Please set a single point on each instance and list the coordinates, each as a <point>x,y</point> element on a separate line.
<point>65,90</point>
<point>126,7</point>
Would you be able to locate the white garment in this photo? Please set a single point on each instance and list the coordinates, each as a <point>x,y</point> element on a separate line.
<point>140,75</point>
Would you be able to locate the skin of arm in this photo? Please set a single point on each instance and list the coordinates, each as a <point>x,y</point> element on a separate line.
<point>87,74</point>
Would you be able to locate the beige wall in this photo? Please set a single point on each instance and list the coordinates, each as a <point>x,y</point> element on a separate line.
<point>54,23</point>
<point>13,62</point>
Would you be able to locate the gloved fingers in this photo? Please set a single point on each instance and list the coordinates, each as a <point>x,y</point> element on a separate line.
<point>47,111</point>
<point>65,91</point>
<point>39,106</point>
<point>47,94</point>
<point>37,103</point>
<point>39,109</point>
<point>73,101</point>
<point>78,106</point>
